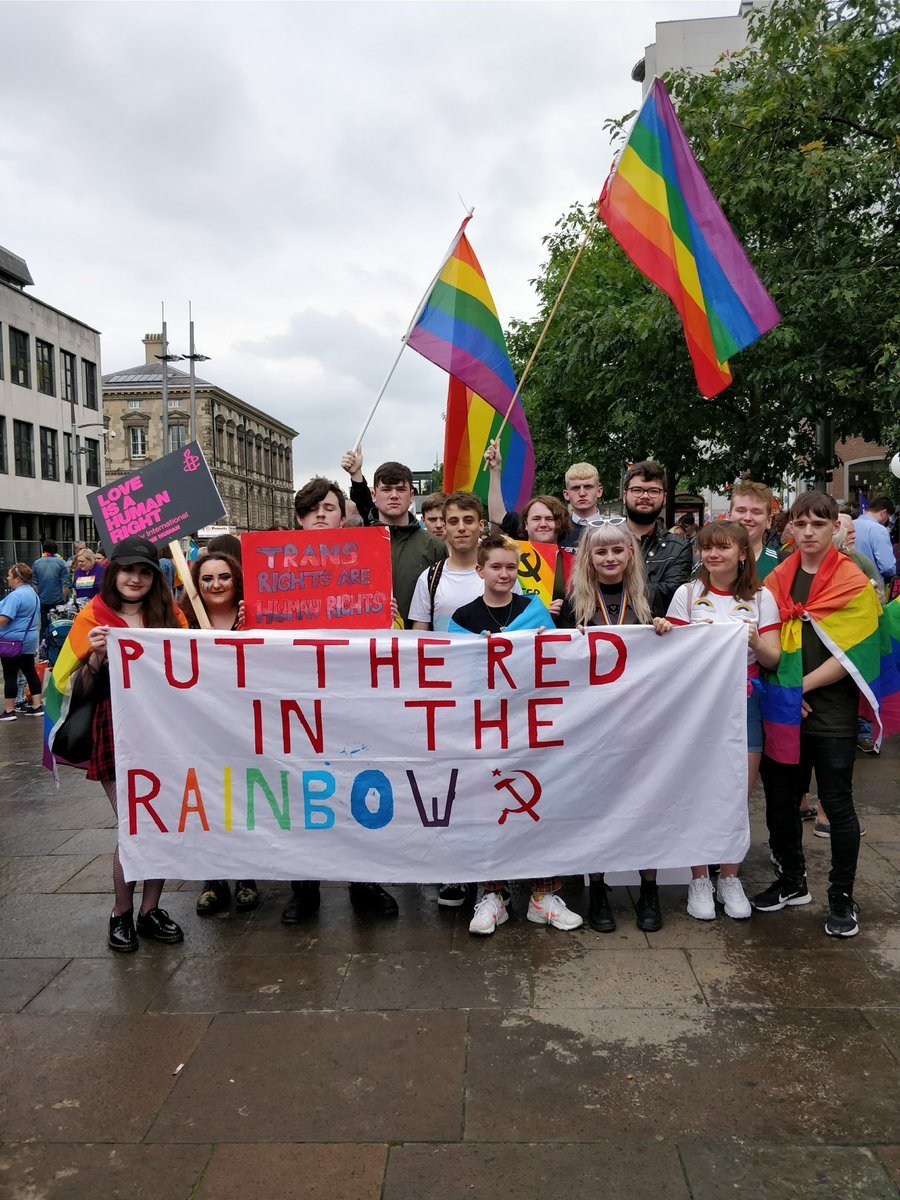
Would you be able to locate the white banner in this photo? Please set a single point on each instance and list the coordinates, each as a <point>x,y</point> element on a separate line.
<point>420,758</point>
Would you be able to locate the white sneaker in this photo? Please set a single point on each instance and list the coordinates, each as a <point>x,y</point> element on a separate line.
<point>551,910</point>
<point>701,899</point>
<point>490,911</point>
<point>731,893</point>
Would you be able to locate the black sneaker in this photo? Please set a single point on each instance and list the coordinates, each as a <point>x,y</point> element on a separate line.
<point>842,913</point>
<point>8,716</point>
<point>373,897</point>
<point>246,895</point>
<point>453,895</point>
<point>304,902</point>
<point>34,712</point>
<point>215,895</point>
<point>600,916</point>
<point>157,924</point>
<point>781,894</point>
<point>122,936</point>
<point>648,914</point>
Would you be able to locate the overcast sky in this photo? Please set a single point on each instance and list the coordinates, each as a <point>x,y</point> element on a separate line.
<point>294,170</point>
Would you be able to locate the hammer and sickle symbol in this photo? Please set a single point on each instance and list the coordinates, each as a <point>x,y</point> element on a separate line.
<point>530,566</point>
<point>526,803</point>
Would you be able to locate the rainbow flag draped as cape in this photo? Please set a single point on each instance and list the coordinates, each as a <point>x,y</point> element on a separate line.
<point>660,209</point>
<point>535,616</point>
<point>458,329</point>
<point>58,690</point>
<point>844,612</point>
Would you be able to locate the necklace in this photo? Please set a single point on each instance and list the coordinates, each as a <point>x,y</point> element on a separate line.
<point>506,621</point>
<point>613,610</point>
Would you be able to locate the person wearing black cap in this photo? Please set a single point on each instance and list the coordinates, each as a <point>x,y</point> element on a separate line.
<point>133,594</point>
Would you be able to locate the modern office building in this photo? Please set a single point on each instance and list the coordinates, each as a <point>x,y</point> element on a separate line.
<point>51,423</point>
<point>696,44</point>
<point>249,453</point>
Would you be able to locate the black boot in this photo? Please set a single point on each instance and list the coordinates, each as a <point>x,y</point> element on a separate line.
<point>600,915</point>
<point>122,936</point>
<point>649,916</point>
<point>304,901</point>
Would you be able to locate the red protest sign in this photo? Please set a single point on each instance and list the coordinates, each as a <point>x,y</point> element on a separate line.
<point>317,578</point>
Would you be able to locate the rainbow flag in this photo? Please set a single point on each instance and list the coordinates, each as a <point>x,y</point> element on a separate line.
<point>458,329</point>
<point>659,208</point>
<point>844,611</point>
<point>471,425</point>
<point>58,688</point>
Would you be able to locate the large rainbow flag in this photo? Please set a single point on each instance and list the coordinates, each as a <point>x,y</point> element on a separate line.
<point>458,329</point>
<point>660,209</point>
<point>844,611</point>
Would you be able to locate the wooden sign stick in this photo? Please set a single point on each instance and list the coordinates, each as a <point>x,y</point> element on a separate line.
<point>185,572</point>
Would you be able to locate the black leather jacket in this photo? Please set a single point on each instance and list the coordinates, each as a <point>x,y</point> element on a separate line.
<point>668,559</point>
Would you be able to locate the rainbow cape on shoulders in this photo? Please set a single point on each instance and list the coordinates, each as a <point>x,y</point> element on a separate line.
<point>844,612</point>
<point>58,690</point>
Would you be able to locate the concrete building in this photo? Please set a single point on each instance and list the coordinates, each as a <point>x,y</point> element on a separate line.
<point>695,44</point>
<point>248,452</point>
<point>50,416</point>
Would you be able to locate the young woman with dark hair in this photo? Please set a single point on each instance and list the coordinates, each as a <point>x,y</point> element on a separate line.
<point>133,594</point>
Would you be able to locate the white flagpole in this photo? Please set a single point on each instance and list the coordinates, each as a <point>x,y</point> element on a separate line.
<point>362,433</point>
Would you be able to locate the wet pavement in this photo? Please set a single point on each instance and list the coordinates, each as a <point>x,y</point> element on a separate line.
<point>357,1058</point>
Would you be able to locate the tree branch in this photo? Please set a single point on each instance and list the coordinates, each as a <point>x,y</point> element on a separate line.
<point>882,137</point>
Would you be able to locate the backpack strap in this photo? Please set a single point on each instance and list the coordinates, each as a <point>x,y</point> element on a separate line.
<point>434,578</point>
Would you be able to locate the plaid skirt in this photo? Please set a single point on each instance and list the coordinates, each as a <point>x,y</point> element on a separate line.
<point>102,765</point>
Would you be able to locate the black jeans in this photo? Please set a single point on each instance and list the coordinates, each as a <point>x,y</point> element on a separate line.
<point>832,760</point>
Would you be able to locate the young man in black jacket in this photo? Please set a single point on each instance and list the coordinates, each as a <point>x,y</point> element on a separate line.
<point>668,558</point>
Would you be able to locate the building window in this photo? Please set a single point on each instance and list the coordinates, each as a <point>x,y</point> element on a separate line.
<point>90,383</point>
<point>67,457</point>
<point>177,436</point>
<point>19,359</point>
<point>69,377</point>
<point>138,436</point>
<point>49,454</point>
<point>135,404</point>
<point>4,465</point>
<point>230,436</point>
<point>92,462</point>
<point>46,367</point>
<point>23,447</point>
<point>174,403</point>
<point>1,351</point>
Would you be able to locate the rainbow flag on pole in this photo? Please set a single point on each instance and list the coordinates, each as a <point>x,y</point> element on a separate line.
<point>844,612</point>
<point>471,425</point>
<point>458,329</point>
<point>659,208</point>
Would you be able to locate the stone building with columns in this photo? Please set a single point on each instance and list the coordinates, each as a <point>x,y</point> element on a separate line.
<point>249,453</point>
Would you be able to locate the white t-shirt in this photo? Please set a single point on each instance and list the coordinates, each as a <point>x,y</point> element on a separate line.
<point>454,589</point>
<point>690,606</point>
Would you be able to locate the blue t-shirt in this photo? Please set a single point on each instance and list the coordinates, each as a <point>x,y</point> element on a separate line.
<point>23,608</point>
<point>51,575</point>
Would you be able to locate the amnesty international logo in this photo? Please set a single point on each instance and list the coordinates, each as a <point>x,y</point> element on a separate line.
<point>191,461</point>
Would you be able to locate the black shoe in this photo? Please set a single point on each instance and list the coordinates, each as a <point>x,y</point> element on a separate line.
<point>453,895</point>
<point>373,897</point>
<point>648,912</point>
<point>600,915</point>
<point>303,903</point>
<point>842,913</point>
<point>157,924</point>
<point>781,894</point>
<point>246,895</point>
<point>214,896</point>
<point>121,933</point>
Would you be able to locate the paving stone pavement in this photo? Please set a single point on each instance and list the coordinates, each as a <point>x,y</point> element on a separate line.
<point>352,1058</point>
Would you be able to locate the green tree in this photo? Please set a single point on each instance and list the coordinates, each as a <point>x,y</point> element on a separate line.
<point>798,137</point>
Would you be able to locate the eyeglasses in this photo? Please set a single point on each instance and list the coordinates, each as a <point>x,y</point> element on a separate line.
<point>606,521</point>
<point>653,493</point>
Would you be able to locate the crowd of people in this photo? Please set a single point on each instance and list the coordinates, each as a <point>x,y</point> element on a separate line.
<point>458,571</point>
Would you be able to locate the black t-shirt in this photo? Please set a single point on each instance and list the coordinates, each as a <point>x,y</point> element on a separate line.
<point>612,599</point>
<point>835,708</point>
<point>479,617</point>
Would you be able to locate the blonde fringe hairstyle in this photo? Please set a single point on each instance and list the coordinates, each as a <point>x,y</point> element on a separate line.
<point>583,583</point>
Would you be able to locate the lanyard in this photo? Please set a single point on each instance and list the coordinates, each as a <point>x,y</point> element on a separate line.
<point>601,604</point>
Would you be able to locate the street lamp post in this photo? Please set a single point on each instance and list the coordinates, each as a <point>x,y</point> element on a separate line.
<point>74,452</point>
<point>165,358</point>
<point>193,357</point>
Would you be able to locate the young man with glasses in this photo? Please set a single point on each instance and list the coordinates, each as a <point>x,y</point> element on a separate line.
<point>667,557</point>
